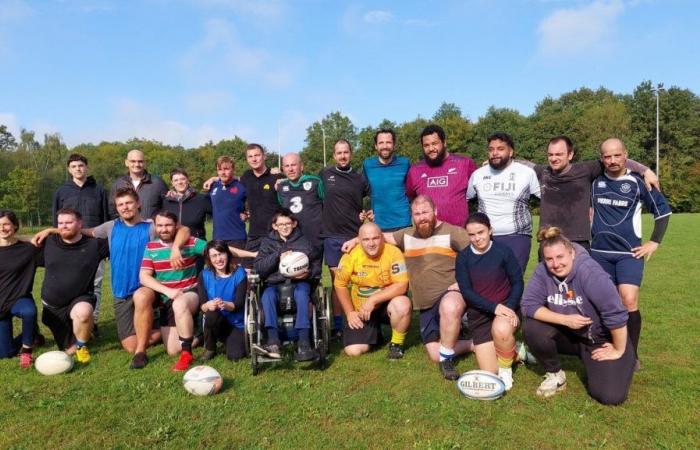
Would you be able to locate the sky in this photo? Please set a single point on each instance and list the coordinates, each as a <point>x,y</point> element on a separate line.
<point>185,72</point>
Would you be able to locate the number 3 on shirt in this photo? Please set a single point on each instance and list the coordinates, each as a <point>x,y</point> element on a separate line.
<point>296,205</point>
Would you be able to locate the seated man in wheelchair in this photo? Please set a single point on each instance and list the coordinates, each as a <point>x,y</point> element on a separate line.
<point>285,238</point>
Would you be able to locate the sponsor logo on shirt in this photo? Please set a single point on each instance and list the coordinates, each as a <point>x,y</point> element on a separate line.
<point>266,187</point>
<point>285,188</point>
<point>608,201</point>
<point>214,191</point>
<point>437,182</point>
<point>601,184</point>
<point>425,175</point>
<point>625,188</point>
<point>331,178</point>
<point>307,185</point>
<point>561,300</point>
<point>512,176</point>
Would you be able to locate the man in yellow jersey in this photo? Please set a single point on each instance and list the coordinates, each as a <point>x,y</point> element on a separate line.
<point>377,272</point>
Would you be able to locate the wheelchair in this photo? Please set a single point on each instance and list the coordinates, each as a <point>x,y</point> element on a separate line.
<point>320,318</point>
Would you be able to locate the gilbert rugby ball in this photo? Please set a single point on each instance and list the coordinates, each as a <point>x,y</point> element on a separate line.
<point>53,363</point>
<point>293,264</point>
<point>481,385</point>
<point>202,381</point>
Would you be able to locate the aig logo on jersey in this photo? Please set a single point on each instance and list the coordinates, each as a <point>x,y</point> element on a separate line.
<point>437,182</point>
<point>307,185</point>
<point>625,188</point>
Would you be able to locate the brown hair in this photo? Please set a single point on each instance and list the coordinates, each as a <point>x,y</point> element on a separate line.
<point>223,159</point>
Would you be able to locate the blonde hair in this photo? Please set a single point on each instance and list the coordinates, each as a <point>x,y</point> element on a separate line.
<point>550,236</point>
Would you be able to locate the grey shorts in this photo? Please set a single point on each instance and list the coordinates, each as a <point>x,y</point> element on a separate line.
<point>124,316</point>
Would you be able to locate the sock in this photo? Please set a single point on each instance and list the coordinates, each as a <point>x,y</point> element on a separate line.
<point>634,328</point>
<point>186,344</point>
<point>79,343</point>
<point>505,358</point>
<point>304,335</point>
<point>397,337</point>
<point>337,322</point>
<point>446,353</point>
<point>25,350</point>
<point>273,336</point>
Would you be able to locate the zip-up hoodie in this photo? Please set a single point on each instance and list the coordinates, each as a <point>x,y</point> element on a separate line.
<point>272,246</point>
<point>587,291</point>
<point>90,200</point>
<point>191,210</point>
<point>150,190</point>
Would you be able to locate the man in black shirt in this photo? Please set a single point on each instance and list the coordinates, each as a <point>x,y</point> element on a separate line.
<point>345,190</point>
<point>71,261</point>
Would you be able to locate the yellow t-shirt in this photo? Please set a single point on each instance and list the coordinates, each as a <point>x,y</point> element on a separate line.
<point>368,275</point>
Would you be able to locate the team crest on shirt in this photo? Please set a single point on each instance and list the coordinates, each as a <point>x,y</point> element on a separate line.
<point>285,188</point>
<point>307,185</point>
<point>425,175</point>
<point>214,191</point>
<point>452,170</point>
<point>266,187</point>
<point>512,176</point>
<point>233,190</point>
<point>601,184</point>
<point>626,188</point>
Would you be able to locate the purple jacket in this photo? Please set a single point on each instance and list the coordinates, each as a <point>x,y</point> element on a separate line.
<point>587,290</point>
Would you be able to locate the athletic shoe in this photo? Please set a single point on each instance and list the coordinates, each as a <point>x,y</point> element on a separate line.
<point>82,355</point>
<point>395,351</point>
<point>447,369</point>
<point>184,362</point>
<point>25,360</point>
<point>506,375</point>
<point>269,350</point>
<point>305,352</point>
<point>523,355</point>
<point>139,361</point>
<point>207,355</point>
<point>553,382</point>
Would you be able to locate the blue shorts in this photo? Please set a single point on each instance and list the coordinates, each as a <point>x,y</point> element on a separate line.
<point>331,250</point>
<point>520,244</point>
<point>623,269</point>
<point>430,321</point>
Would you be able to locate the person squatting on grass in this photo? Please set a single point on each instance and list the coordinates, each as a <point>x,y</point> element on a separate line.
<point>18,261</point>
<point>572,307</point>
<point>489,277</point>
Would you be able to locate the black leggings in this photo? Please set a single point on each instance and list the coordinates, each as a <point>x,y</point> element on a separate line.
<point>217,328</point>
<point>608,381</point>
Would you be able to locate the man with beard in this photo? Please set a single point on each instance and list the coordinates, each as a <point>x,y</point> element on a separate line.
<point>503,189</point>
<point>344,190</point>
<point>67,293</point>
<point>430,248</point>
<point>386,174</point>
<point>441,176</point>
<point>151,188</point>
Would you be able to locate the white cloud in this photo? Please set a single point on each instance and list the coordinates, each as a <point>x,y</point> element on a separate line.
<point>221,51</point>
<point>10,120</point>
<point>584,31</point>
<point>208,102</point>
<point>375,17</point>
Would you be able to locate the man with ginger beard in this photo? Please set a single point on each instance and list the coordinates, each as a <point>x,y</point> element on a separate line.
<point>442,176</point>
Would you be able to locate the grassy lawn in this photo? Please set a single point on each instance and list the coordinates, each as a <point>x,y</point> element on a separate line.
<point>369,401</point>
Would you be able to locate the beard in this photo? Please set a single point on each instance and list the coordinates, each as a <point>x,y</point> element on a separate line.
<point>425,230</point>
<point>501,164</point>
<point>438,159</point>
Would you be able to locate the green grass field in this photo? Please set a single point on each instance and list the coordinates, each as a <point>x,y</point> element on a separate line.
<point>369,402</point>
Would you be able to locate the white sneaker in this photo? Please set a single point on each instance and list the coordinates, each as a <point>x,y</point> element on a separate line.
<point>553,382</point>
<point>522,355</point>
<point>506,375</point>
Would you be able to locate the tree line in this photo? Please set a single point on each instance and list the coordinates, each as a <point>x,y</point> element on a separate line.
<point>30,171</point>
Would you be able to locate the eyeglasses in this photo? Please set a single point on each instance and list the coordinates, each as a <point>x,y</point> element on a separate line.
<point>284,225</point>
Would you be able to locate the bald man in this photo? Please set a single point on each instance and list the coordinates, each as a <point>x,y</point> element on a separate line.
<point>617,197</point>
<point>303,196</point>
<point>377,273</point>
<point>150,188</point>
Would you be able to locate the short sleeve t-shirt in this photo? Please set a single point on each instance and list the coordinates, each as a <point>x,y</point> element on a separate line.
<point>227,204</point>
<point>156,257</point>
<point>431,261</point>
<point>344,191</point>
<point>504,196</point>
<point>369,275</point>
<point>304,198</point>
<point>17,269</point>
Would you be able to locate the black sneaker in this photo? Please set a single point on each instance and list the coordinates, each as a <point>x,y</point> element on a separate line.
<point>305,352</point>
<point>207,355</point>
<point>395,351</point>
<point>139,361</point>
<point>447,369</point>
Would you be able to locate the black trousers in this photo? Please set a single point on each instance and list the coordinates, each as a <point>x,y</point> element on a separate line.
<point>217,328</point>
<point>608,381</point>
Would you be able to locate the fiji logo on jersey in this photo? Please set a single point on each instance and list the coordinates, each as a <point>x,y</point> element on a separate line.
<point>437,182</point>
<point>307,185</point>
<point>625,188</point>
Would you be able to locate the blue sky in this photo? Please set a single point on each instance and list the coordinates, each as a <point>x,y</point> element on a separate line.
<point>188,71</point>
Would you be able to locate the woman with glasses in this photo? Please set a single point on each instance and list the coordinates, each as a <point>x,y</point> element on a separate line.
<point>572,307</point>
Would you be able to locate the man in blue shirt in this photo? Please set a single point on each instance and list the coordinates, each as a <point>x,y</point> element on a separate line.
<point>228,196</point>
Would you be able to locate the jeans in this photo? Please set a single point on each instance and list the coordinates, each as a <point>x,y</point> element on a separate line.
<point>25,309</point>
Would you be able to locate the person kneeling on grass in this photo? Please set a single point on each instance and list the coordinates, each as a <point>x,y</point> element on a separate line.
<point>222,289</point>
<point>491,281</point>
<point>286,237</point>
<point>377,272</point>
<point>572,307</point>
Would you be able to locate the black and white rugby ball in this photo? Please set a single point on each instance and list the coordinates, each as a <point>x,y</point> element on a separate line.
<point>293,264</point>
<point>481,385</point>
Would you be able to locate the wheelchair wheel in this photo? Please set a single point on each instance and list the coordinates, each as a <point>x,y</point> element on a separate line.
<point>252,328</point>
<point>323,315</point>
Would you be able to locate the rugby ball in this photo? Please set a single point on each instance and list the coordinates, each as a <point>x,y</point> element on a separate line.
<point>202,381</point>
<point>53,363</point>
<point>293,264</point>
<point>481,385</point>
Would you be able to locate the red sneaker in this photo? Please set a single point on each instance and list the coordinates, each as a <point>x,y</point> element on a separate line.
<point>25,360</point>
<point>184,362</point>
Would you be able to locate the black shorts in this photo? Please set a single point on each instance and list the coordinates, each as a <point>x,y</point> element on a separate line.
<point>59,322</point>
<point>480,325</point>
<point>430,321</point>
<point>371,333</point>
<point>167,315</point>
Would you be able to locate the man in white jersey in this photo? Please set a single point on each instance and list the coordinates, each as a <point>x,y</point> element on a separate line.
<point>503,189</point>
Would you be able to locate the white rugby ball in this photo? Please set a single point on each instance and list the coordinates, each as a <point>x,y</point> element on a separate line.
<point>481,385</point>
<point>293,264</point>
<point>202,381</point>
<point>53,363</point>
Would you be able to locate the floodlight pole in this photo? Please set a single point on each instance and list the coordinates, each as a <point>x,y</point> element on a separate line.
<point>659,88</point>
<point>323,132</point>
